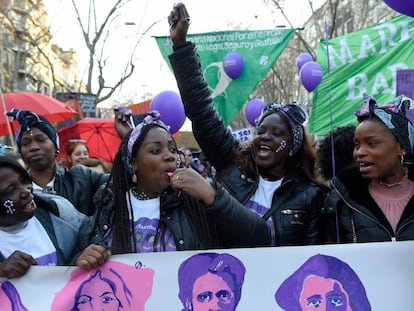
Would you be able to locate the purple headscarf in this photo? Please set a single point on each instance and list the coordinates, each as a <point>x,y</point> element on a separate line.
<point>296,117</point>
<point>153,117</point>
<point>397,116</point>
<point>27,120</point>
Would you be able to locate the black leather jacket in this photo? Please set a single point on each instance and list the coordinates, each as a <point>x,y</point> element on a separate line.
<point>225,212</point>
<point>296,204</point>
<point>359,217</point>
<point>78,184</point>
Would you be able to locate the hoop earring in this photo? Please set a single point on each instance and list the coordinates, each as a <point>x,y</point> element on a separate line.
<point>402,159</point>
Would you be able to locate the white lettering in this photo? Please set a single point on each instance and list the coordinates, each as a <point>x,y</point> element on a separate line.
<point>356,86</point>
<point>146,227</point>
<point>344,57</point>
<point>366,46</point>
<point>407,32</point>
<point>380,85</point>
<point>387,37</point>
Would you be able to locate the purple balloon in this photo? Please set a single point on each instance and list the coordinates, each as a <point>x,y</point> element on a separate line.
<point>253,110</point>
<point>405,7</point>
<point>233,64</point>
<point>171,109</point>
<point>302,59</point>
<point>311,75</point>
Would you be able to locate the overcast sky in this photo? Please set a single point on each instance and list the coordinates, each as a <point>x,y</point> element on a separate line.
<point>152,74</point>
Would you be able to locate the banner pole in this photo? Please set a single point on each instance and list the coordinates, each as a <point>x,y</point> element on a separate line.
<point>3,103</point>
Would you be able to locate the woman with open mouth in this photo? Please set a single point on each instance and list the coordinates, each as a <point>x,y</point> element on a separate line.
<point>32,231</point>
<point>373,201</point>
<point>274,174</point>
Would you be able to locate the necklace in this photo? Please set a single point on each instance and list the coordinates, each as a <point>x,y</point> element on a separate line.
<point>398,183</point>
<point>139,195</point>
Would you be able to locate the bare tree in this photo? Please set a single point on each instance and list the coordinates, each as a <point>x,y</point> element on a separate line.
<point>95,36</point>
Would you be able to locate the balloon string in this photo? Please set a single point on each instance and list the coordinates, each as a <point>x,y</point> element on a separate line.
<point>330,99</point>
<point>331,123</point>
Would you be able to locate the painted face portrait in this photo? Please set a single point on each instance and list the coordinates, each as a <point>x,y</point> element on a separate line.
<point>211,292</point>
<point>113,286</point>
<point>319,293</point>
<point>323,283</point>
<point>211,281</point>
<point>97,293</point>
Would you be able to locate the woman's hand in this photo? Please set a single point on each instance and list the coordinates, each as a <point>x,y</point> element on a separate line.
<point>16,265</point>
<point>179,21</point>
<point>191,182</point>
<point>123,119</point>
<point>92,257</point>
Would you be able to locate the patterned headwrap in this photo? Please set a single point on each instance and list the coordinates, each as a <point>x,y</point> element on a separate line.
<point>153,117</point>
<point>397,116</point>
<point>27,120</point>
<point>296,117</point>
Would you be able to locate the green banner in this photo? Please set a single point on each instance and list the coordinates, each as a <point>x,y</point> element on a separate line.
<point>259,50</point>
<point>365,61</point>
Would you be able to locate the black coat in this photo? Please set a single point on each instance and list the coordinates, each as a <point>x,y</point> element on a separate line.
<point>226,213</point>
<point>78,184</point>
<point>296,204</point>
<point>360,218</point>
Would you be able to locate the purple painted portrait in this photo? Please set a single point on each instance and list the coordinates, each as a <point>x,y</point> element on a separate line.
<point>323,283</point>
<point>112,287</point>
<point>10,298</point>
<point>211,281</point>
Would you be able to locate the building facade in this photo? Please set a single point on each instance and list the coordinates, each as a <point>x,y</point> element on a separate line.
<point>28,60</point>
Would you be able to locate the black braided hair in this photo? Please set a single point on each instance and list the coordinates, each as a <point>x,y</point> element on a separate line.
<point>124,240</point>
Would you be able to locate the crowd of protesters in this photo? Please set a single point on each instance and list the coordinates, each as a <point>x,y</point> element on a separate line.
<point>278,189</point>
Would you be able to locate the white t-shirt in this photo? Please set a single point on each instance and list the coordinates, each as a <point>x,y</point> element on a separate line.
<point>261,200</point>
<point>30,238</point>
<point>49,186</point>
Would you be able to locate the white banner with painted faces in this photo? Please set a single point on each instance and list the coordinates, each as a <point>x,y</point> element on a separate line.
<point>372,276</point>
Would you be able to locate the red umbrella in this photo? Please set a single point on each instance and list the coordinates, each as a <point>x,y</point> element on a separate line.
<point>99,133</point>
<point>50,108</point>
